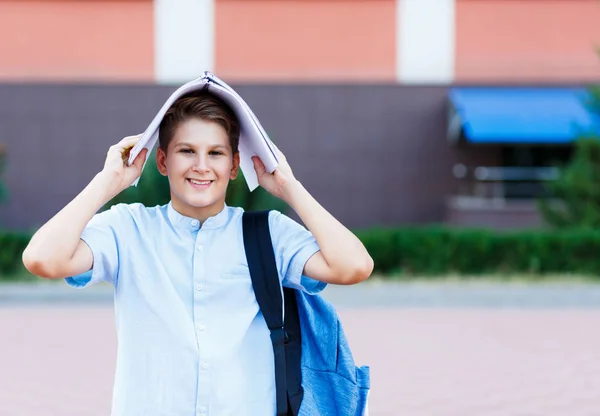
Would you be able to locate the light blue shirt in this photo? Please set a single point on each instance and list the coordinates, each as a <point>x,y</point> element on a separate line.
<point>191,338</point>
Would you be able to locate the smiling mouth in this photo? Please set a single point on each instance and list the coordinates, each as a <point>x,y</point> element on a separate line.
<point>199,184</point>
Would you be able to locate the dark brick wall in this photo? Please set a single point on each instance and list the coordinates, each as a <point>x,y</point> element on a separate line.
<point>371,154</point>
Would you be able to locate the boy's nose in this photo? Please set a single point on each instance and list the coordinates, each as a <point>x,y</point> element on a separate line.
<point>201,164</point>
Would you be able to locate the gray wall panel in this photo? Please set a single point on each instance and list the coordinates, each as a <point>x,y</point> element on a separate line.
<point>371,154</point>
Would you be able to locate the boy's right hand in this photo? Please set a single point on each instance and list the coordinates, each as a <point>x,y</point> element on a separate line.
<point>121,175</point>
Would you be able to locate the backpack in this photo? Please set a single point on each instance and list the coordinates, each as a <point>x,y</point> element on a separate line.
<point>315,373</point>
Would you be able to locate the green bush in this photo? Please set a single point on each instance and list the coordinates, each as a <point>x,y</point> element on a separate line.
<point>574,198</point>
<point>430,251</point>
<point>12,245</point>
<point>437,251</point>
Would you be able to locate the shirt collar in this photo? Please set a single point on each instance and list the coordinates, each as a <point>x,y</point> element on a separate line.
<point>180,220</point>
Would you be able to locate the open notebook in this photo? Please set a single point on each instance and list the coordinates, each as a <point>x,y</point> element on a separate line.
<point>254,141</point>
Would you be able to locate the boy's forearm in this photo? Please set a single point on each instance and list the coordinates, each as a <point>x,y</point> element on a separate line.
<point>341,249</point>
<point>57,240</point>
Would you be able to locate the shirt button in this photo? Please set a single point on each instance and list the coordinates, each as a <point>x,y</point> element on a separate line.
<point>199,287</point>
<point>203,409</point>
<point>199,248</point>
<point>195,223</point>
<point>205,366</point>
<point>201,327</point>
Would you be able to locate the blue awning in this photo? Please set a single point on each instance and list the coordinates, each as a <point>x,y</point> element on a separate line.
<point>522,115</point>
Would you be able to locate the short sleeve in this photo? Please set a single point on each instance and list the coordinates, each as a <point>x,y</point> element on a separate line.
<point>293,245</point>
<point>100,235</point>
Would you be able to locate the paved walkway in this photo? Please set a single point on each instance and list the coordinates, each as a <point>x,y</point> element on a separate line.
<point>524,351</point>
<point>372,294</point>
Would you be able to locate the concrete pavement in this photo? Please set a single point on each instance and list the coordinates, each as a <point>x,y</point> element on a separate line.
<point>433,349</point>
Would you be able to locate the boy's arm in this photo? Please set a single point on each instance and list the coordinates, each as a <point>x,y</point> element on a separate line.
<point>56,250</point>
<point>342,258</point>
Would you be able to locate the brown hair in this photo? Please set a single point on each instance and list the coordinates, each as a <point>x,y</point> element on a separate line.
<point>203,106</point>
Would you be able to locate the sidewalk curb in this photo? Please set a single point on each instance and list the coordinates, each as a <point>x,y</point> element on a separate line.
<point>55,292</point>
<point>376,294</point>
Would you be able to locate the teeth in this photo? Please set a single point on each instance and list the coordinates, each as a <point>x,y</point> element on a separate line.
<point>199,182</point>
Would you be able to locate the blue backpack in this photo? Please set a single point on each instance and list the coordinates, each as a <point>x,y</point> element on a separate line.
<point>315,373</point>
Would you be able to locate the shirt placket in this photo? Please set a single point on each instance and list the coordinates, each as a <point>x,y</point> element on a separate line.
<point>200,323</point>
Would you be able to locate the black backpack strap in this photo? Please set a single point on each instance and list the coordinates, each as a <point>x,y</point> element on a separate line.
<point>265,281</point>
<point>293,351</point>
<point>285,336</point>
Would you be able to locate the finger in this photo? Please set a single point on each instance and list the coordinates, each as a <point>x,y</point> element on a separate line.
<point>124,148</point>
<point>128,142</point>
<point>259,166</point>
<point>130,138</point>
<point>140,159</point>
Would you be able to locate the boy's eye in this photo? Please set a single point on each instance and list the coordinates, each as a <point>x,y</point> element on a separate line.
<point>215,152</point>
<point>186,151</point>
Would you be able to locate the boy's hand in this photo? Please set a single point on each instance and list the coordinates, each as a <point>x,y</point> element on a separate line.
<point>121,175</point>
<point>278,183</point>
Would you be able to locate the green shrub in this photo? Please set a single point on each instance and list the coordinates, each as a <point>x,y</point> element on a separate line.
<point>434,251</point>
<point>574,198</point>
<point>12,245</point>
<point>430,251</point>
<point>381,244</point>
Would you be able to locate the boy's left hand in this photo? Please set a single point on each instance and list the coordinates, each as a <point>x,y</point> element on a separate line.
<point>280,181</point>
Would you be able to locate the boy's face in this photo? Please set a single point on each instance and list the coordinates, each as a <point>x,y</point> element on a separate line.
<point>199,164</point>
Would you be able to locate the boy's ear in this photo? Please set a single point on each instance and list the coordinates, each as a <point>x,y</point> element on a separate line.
<point>161,161</point>
<point>236,166</point>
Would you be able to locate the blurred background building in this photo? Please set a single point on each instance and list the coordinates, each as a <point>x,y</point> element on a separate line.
<point>390,111</point>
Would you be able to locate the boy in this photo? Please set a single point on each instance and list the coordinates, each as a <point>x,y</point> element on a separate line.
<point>192,340</point>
